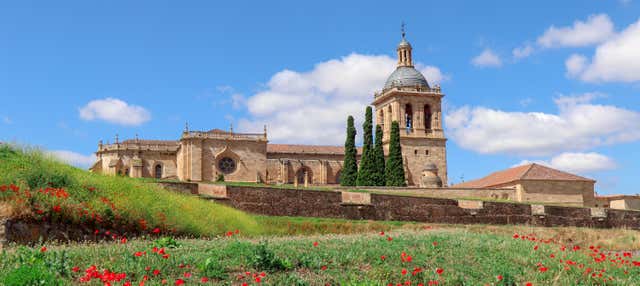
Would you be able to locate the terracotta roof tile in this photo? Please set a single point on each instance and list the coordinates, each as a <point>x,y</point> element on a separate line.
<point>524,172</point>
<point>306,149</point>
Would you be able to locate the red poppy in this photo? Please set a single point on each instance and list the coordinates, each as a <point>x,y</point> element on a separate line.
<point>75,269</point>
<point>324,267</point>
<point>499,277</point>
<point>543,269</point>
<point>529,284</point>
<point>179,282</point>
<point>404,271</point>
<point>382,257</point>
<point>439,271</point>
<point>315,243</point>
<point>204,280</point>
<point>156,230</point>
<point>187,275</point>
<point>56,208</point>
<point>156,272</point>
<point>389,238</point>
<point>43,249</point>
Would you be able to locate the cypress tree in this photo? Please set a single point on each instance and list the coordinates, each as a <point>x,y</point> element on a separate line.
<point>378,155</point>
<point>366,172</point>
<point>349,172</point>
<point>394,172</point>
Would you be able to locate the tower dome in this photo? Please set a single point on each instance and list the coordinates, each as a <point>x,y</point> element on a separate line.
<point>405,74</point>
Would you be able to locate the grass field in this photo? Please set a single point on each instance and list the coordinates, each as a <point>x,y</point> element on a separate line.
<point>230,247</point>
<point>427,254</point>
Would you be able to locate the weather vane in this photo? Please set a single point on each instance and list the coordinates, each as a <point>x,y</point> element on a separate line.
<point>402,29</point>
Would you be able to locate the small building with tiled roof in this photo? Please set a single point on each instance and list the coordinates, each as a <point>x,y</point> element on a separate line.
<point>621,202</point>
<point>539,184</point>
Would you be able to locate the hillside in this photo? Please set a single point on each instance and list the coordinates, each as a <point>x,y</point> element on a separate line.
<point>36,186</point>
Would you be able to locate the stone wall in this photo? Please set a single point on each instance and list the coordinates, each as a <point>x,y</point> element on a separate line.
<point>575,193</point>
<point>332,204</point>
<point>451,193</point>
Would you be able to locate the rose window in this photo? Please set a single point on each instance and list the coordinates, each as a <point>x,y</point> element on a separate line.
<point>227,165</point>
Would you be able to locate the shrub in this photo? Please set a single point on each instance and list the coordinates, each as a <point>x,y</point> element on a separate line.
<point>212,268</point>
<point>166,242</point>
<point>30,275</point>
<point>349,173</point>
<point>265,259</point>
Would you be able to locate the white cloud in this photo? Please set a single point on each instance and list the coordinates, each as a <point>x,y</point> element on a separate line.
<point>523,51</point>
<point>312,106</point>
<point>238,100</point>
<point>578,163</point>
<point>596,29</point>
<point>575,64</point>
<point>616,60</point>
<point>116,111</point>
<point>487,59</point>
<point>73,158</point>
<point>578,125</point>
<point>6,120</point>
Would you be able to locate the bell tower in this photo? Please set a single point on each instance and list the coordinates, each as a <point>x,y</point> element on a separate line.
<point>408,99</point>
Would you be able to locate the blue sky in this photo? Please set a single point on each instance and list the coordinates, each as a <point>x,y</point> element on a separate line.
<point>544,81</point>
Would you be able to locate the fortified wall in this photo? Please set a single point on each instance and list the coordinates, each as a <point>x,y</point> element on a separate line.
<point>371,206</point>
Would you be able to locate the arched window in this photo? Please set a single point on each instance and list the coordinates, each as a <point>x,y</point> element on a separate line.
<point>302,173</point>
<point>427,117</point>
<point>158,171</point>
<point>408,116</point>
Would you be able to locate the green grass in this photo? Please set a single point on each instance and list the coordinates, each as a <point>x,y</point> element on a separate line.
<point>467,258</point>
<point>116,200</point>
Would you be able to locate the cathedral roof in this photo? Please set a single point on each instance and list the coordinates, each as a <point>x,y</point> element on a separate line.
<point>306,149</point>
<point>405,76</point>
<point>524,172</point>
<point>151,142</point>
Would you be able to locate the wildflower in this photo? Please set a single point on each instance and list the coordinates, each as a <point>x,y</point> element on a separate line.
<point>535,247</point>
<point>123,240</point>
<point>382,257</point>
<point>404,271</point>
<point>258,279</point>
<point>75,269</point>
<point>499,277</point>
<point>179,282</point>
<point>43,249</point>
<point>315,243</point>
<point>323,268</point>
<point>140,253</point>
<point>435,243</point>
<point>204,280</point>
<point>389,238</point>
<point>439,271</point>
<point>381,233</point>
<point>56,209</point>
<point>156,272</point>
<point>156,230</point>
<point>187,275</point>
<point>528,284</point>
<point>543,269</point>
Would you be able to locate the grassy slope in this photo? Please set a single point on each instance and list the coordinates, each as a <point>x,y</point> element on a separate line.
<point>467,258</point>
<point>132,200</point>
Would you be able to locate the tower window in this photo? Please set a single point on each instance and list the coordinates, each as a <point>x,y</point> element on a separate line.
<point>415,152</point>
<point>408,115</point>
<point>427,117</point>
<point>426,152</point>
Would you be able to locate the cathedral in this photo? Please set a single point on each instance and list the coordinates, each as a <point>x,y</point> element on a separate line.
<point>202,156</point>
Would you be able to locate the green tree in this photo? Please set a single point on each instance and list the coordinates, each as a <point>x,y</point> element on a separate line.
<point>366,172</point>
<point>378,157</point>
<point>349,173</point>
<point>394,172</point>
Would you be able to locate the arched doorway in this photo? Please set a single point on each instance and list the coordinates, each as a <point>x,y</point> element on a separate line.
<point>338,176</point>
<point>158,171</point>
<point>302,173</point>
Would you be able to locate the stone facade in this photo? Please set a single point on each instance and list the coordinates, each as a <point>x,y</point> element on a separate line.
<point>205,155</point>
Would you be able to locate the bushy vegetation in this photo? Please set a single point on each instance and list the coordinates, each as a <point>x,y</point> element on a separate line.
<point>349,173</point>
<point>394,169</point>
<point>367,170</point>
<point>442,254</point>
<point>35,185</point>
<point>378,158</point>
